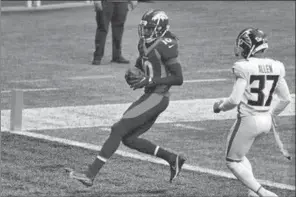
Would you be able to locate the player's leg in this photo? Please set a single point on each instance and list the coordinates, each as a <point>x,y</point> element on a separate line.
<point>103,18</point>
<point>132,139</point>
<point>239,142</point>
<point>118,21</point>
<point>131,120</point>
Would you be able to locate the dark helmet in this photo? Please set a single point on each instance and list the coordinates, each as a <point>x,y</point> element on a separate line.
<point>154,24</point>
<point>250,41</point>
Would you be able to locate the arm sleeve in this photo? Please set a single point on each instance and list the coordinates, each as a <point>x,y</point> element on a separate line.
<point>138,64</point>
<point>283,93</point>
<point>175,77</point>
<point>234,99</point>
<point>169,56</point>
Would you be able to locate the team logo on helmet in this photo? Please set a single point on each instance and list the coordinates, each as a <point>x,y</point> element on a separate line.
<point>160,16</point>
<point>244,38</point>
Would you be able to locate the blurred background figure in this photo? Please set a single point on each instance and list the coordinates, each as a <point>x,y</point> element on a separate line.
<point>116,12</point>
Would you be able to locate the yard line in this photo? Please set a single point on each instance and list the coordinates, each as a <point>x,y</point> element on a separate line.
<point>69,78</point>
<point>229,70</point>
<point>111,76</point>
<point>104,115</point>
<point>33,90</point>
<point>143,157</point>
<point>204,80</point>
<point>189,127</point>
<point>91,77</point>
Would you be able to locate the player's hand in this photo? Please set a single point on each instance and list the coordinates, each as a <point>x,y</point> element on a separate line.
<point>133,4</point>
<point>98,5</point>
<point>144,82</point>
<point>216,106</point>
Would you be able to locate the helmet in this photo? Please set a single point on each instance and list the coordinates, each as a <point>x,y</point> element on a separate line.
<point>249,42</point>
<point>154,24</point>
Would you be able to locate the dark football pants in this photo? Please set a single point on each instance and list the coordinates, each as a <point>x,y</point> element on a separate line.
<point>137,119</point>
<point>116,12</point>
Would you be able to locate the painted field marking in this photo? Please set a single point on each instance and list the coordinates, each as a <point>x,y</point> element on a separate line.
<point>229,70</point>
<point>111,76</point>
<point>205,80</point>
<point>69,78</point>
<point>189,127</point>
<point>33,90</point>
<point>143,157</point>
<point>104,115</point>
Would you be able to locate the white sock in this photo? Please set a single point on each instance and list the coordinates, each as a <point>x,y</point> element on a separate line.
<point>244,174</point>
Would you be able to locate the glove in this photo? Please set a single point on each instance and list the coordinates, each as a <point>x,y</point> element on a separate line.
<point>216,106</point>
<point>134,76</point>
<point>143,83</point>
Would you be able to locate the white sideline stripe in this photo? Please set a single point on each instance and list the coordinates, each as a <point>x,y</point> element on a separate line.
<point>110,76</point>
<point>229,70</point>
<point>147,158</point>
<point>106,114</point>
<point>105,77</point>
<point>189,127</point>
<point>45,7</point>
<point>69,78</point>
<point>204,80</point>
<point>33,90</point>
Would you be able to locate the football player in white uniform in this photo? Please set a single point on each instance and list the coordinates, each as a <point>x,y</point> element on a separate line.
<point>258,79</point>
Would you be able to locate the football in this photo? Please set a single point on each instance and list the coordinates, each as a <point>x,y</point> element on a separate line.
<point>134,75</point>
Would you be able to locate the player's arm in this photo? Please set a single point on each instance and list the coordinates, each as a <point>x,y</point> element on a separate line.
<point>138,63</point>
<point>169,56</point>
<point>175,77</point>
<point>283,93</point>
<point>236,96</point>
<point>237,92</point>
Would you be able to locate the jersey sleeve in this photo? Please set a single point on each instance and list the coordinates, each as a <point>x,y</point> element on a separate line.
<point>140,48</point>
<point>239,71</point>
<point>282,69</point>
<point>168,49</point>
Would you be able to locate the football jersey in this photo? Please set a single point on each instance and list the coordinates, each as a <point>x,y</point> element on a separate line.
<point>262,76</point>
<point>154,57</point>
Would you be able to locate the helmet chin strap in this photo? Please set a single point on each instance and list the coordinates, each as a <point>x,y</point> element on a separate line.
<point>251,51</point>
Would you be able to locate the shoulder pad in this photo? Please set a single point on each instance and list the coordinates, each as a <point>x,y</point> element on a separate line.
<point>239,70</point>
<point>168,48</point>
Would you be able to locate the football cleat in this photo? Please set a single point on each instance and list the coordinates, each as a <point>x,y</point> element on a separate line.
<point>79,176</point>
<point>176,167</point>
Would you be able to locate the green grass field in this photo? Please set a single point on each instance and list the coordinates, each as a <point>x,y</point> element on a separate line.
<point>35,168</point>
<point>53,49</point>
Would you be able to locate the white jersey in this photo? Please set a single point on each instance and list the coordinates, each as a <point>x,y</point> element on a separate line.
<point>262,76</point>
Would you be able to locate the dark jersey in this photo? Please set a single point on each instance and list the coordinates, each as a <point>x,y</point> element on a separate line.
<point>154,59</point>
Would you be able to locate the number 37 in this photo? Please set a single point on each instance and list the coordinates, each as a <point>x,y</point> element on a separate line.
<point>261,86</point>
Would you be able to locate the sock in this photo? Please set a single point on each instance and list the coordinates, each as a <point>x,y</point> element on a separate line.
<point>109,147</point>
<point>95,167</point>
<point>244,174</point>
<point>260,191</point>
<point>164,154</point>
<point>247,164</point>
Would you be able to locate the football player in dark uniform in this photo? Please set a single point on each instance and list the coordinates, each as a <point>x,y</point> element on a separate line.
<point>158,59</point>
